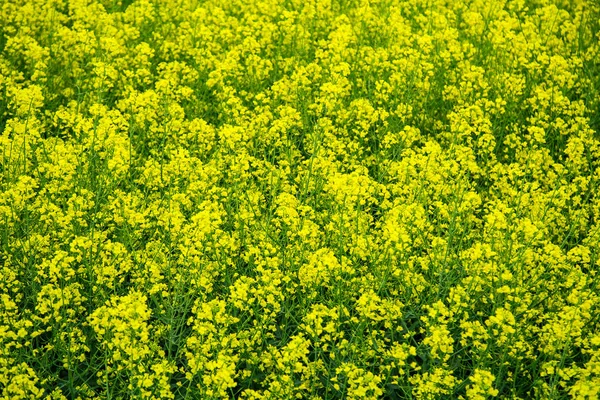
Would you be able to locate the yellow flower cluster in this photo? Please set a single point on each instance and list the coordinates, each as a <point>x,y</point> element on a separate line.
<point>299,199</point>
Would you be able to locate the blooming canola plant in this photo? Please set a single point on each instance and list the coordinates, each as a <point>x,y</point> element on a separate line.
<point>311,199</point>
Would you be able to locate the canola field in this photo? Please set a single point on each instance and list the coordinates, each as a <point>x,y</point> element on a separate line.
<point>299,199</point>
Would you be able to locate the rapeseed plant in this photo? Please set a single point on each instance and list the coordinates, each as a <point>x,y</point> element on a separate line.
<point>311,199</point>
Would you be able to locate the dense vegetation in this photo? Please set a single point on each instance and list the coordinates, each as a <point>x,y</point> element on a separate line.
<point>315,199</point>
